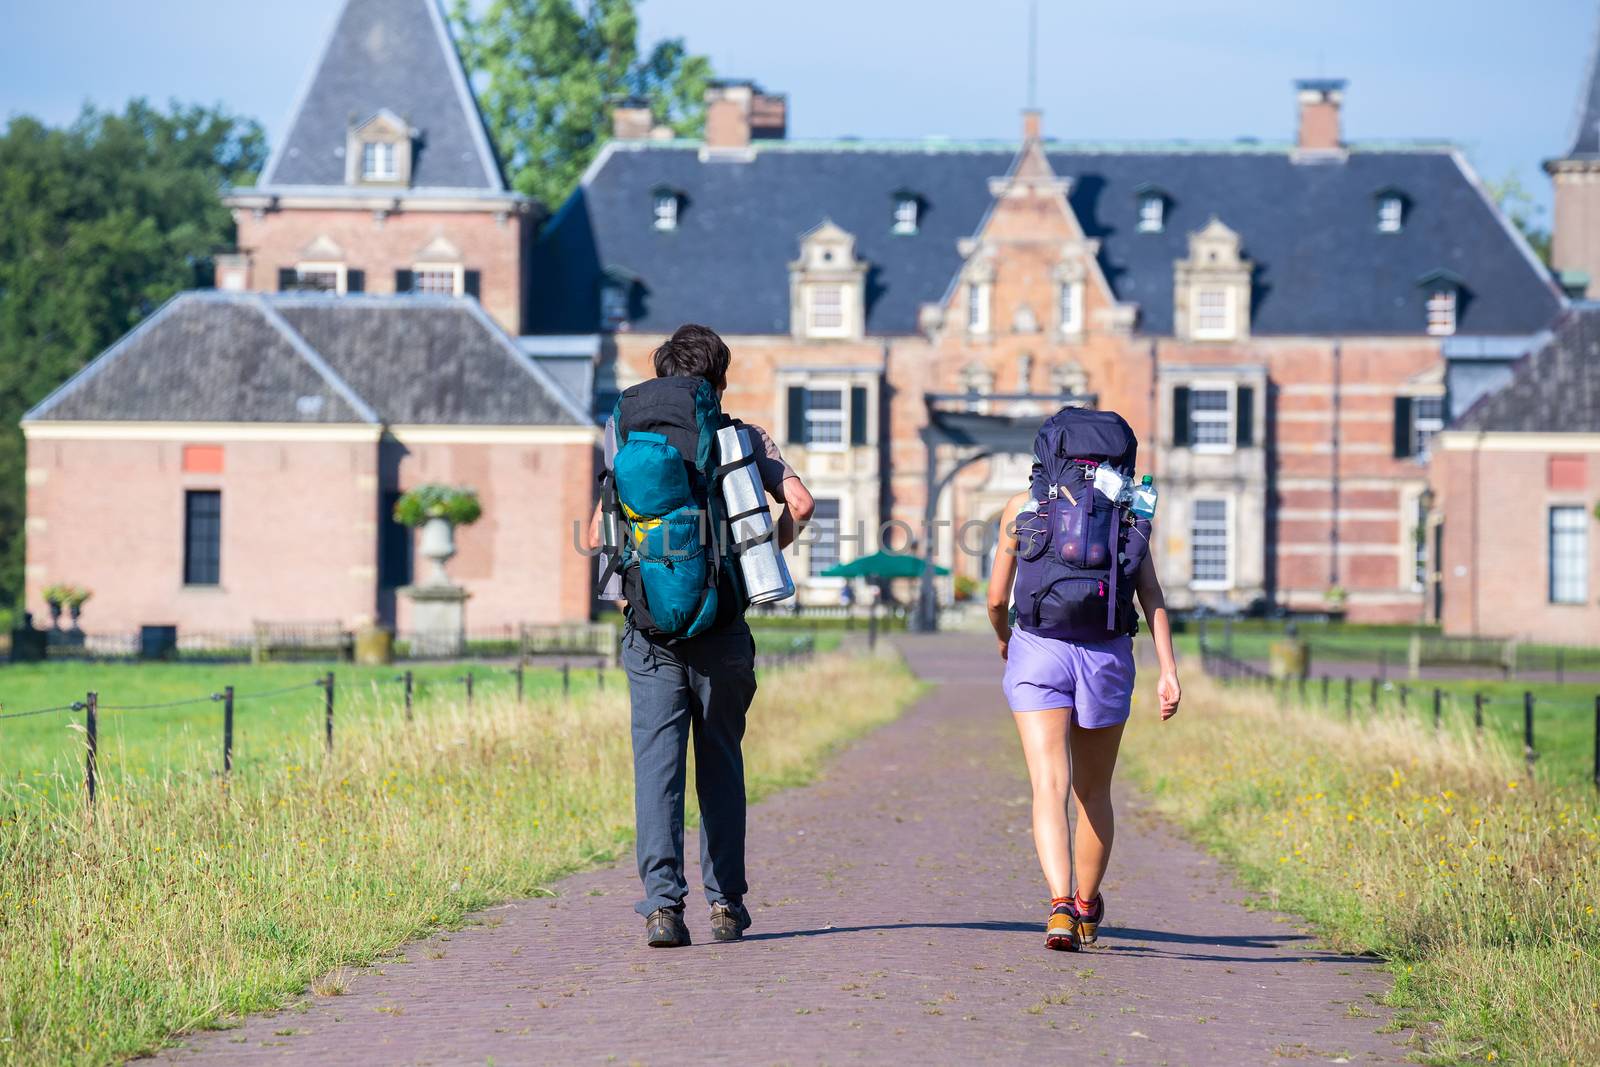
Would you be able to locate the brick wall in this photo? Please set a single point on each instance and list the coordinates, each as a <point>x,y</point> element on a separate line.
<point>489,243</point>
<point>1495,501</point>
<point>298,531</point>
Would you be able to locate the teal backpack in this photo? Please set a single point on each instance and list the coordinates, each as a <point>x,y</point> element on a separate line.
<point>662,497</point>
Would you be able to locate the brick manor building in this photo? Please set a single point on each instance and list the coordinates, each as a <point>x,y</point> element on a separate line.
<point>1286,326</point>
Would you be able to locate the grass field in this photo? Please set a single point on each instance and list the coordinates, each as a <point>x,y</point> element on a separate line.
<point>1564,716</point>
<point>187,899</point>
<point>48,749</point>
<point>1432,850</point>
<point>1333,643</point>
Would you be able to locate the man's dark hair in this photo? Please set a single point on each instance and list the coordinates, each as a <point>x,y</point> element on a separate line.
<point>694,351</point>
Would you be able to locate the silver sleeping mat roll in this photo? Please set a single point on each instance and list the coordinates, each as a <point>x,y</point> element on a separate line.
<point>766,575</point>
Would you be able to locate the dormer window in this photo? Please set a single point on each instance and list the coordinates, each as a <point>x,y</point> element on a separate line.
<point>1152,211</point>
<point>613,305</point>
<point>378,150</point>
<point>1391,213</point>
<point>666,209</point>
<point>1443,291</point>
<point>1211,288</point>
<point>1442,312</point>
<point>907,212</point>
<point>378,162</point>
<point>1391,210</point>
<point>827,287</point>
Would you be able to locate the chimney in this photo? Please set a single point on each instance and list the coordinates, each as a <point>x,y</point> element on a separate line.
<point>739,111</point>
<point>1031,124</point>
<point>632,120</point>
<point>1320,100</point>
<point>233,272</point>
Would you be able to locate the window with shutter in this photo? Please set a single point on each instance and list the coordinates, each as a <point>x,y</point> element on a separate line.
<point>1180,417</point>
<point>796,428</point>
<point>858,415</point>
<point>1402,427</point>
<point>1244,412</point>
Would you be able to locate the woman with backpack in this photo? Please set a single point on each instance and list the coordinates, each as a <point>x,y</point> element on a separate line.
<point>1072,554</point>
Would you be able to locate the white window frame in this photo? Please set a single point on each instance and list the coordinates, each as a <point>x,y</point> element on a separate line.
<point>1228,417</point>
<point>1431,425</point>
<point>1391,214</point>
<point>613,304</point>
<point>1442,305</point>
<point>1568,589</point>
<point>839,417</point>
<point>340,272</point>
<point>979,295</point>
<point>907,212</point>
<point>374,153</point>
<point>664,210</point>
<point>812,308</point>
<point>458,274</point>
<point>1225,582</point>
<point>1069,308</point>
<point>1152,213</point>
<point>1200,332</point>
<point>816,539</point>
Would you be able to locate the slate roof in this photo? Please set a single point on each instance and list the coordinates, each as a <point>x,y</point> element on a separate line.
<point>315,359</point>
<point>1554,389</point>
<point>394,54</point>
<point>1310,228</point>
<point>1585,139</point>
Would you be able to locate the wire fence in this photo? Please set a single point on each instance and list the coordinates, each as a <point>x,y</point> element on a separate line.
<point>1372,694</point>
<point>791,651</point>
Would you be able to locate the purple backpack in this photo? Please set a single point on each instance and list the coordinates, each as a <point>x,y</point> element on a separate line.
<point>1078,550</point>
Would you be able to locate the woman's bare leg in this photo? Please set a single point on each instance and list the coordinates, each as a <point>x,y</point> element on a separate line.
<point>1044,743</point>
<point>1094,757</point>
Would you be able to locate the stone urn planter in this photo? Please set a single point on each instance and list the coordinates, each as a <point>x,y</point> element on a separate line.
<point>438,607</point>
<point>438,546</point>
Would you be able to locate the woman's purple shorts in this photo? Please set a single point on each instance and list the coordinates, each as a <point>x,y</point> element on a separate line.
<point>1093,678</point>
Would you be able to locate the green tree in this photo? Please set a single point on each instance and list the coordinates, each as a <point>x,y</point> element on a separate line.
<point>549,74</point>
<point>100,222</point>
<point>1525,213</point>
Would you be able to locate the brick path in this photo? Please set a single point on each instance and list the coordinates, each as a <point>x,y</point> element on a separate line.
<point>898,910</point>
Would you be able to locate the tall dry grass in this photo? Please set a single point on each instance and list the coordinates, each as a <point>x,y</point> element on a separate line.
<point>1434,851</point>
<point>187,900</point>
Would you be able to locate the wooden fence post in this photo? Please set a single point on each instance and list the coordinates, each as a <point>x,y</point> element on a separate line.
<point>1349,703</point>
<point>519,681</point>
<point>1438,698</point>
<point>407,679</point>
<point>600,675</point>
<point>91,728</point>
<point>1528,753</point>
<point>566,679</point>
<point>327,707</point>
<point>1477,712</point>
<point>468,681</point>
<point>227,729</point>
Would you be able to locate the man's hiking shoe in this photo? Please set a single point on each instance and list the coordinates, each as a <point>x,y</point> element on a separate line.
<point>665,929</point>
<point>729,922</point>
<point>1061,932</point>
<point>1089,918</point>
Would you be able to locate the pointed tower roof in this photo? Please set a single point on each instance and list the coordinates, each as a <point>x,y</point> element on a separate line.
<point>396,56</point>
<point>1585,141</point>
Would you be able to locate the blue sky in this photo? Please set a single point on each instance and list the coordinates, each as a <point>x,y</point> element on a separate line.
<point>1498,78</point>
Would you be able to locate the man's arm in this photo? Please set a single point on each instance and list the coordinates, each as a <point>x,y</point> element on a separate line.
<point>797,509</point>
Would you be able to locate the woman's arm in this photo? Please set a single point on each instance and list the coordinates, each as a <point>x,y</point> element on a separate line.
<point>1154,603</point>
<point>1004,571</point>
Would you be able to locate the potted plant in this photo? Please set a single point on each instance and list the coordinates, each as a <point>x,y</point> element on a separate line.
<point>437,510</point>
<point>76,597</point>
<point>55,596</point>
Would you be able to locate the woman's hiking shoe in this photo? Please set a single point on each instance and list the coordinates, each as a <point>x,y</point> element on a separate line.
<point>665,929</point>
<point>1089,916</point>
<point>729,922</point>
<point>1061,932</point>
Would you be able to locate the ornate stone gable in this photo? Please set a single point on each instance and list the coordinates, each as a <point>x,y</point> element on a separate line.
<point>1211,288</point>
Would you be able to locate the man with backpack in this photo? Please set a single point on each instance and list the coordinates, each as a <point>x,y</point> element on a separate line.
<point>689,655</point>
